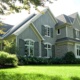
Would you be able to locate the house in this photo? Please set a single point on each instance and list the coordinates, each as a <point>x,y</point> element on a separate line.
<point>43,35</point>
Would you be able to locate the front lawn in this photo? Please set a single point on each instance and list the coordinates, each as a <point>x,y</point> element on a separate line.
<point>41,73</point>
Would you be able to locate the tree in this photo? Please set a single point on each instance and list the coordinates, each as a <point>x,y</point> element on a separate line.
<point>9,5</point>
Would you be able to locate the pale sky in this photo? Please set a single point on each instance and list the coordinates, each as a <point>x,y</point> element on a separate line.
<point>65,7</point>
<point>58,7</point>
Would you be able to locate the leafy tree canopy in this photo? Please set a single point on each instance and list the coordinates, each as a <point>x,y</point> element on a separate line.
<point>10,6</point>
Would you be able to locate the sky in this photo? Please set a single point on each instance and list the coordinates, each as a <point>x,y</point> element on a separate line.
<point>58,7</point>
<point>65,7</point>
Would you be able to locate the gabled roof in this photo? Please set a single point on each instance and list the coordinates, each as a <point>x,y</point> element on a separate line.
<point>13,29</point>
<point>62,19</point>
<point>20,27</point>
<point>5,27</point>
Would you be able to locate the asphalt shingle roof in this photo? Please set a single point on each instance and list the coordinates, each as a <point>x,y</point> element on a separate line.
<point>13,29</point>
<point>66,19</point>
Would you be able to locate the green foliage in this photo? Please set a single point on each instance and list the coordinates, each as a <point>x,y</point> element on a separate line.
<point>38,61</point>
<point>10,46</point>
<point>69,58</point>
<point>7,59</point>
<point>26,5</point>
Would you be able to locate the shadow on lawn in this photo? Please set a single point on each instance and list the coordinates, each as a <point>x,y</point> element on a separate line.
<point>60,65</point>
<point>5,76</point>
<point>75,78</point>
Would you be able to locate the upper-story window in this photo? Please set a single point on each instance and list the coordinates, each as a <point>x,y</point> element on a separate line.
<point>58,31</point>
<point>29,47</point>
<point>47,30</point>
<point>77,33</point>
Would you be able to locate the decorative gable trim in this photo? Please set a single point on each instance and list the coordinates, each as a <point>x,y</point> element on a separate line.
<point>52,16</point>
<point>36,31</point>
<point>43,12</point>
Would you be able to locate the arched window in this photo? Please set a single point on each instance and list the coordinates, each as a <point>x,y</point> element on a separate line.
<point>48,48</point>
<point>29,47</point>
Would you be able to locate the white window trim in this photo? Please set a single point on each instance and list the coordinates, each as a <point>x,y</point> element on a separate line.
<point>57,32</point>
<point>76,50</point>
<point>47,30</point>
<point>76,33</point>
<point>48,48</point>
<point>29,45</point>
<point>29,40</point>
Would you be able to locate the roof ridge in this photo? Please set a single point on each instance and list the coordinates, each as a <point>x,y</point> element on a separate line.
<point>17,26</point>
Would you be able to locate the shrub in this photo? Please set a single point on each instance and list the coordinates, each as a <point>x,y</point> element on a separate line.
<point>38,61</point>
<point>7,59</point>
<point>69,58</point>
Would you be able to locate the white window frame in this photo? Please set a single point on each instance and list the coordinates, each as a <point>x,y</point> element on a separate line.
<point>59,31</point>
<point>77,32</point>
<point>76,54</point>
<point>48,48</point>
<point>30,40</point>
<point>48,30</point>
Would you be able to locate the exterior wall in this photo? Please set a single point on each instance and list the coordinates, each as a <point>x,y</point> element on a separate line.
<point>71,47</point>
<point>27,34</point>
<point>60,50</point>
<point>62,34</point>
<point>70,32</point>
<point>46,19</point>
<point>76,23</point>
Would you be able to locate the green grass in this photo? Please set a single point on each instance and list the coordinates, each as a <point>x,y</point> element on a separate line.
<point>57,72</point>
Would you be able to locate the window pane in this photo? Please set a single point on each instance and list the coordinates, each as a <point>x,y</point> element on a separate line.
<point>31,51</point>
<point>31,43</point>
<point>45,45</point>
<point>49,53</point>
<point>77,52</point>
<point>27,42</point>
<point>26,50</point>
<point>48,31</point>
<point>49,46</point>
<point>45,54</point>
<point>58,31</point>
<point>77,34</point>
<point>45,30</point>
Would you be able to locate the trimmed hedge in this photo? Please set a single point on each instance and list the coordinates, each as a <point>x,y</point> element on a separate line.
<point>7,59</point>
<point>38,61</point>
<point>69,58</point>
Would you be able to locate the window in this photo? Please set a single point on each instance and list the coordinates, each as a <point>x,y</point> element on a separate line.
<point>29,47</point>
<point>47,30</point>
<point>58,31</point>
<point>78,50</point>
<point>77,34</point>
<point>48,50</point>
